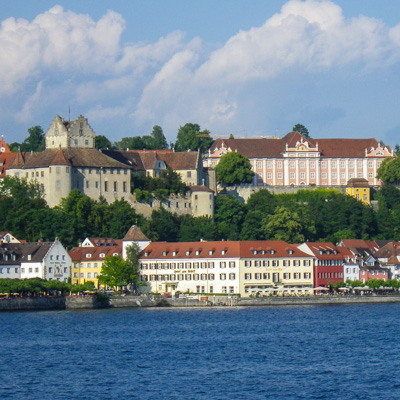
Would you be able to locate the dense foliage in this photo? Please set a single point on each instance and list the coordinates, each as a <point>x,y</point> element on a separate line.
<point>36,286</point>
<point>308,215</point>
<point>155,141</point>
<point>234,168</point>
<point>190,137</point>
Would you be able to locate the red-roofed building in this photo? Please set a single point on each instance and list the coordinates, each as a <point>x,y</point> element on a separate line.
<point>6,156</point>
<point>245,268</point>
<point>329,262</point>
<point>295,160</point>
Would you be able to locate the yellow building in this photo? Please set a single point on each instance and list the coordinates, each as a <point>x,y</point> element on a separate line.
<point>87,260</point>
<point>360,189</point>
<point>274,267</point>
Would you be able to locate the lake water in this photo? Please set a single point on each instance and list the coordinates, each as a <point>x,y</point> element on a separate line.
<point>316,352</point>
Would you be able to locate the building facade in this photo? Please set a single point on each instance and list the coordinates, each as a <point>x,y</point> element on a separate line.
<point>245,268</point>
<point>45,260</point>
<point>296,161</point>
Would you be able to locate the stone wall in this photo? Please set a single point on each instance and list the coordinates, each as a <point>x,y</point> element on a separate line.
<point>177,204</point>
<point>243,192</point>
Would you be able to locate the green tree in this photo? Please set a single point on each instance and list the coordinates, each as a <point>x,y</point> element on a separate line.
<point>234,168</point>
<point>162,226</point>
<point>158,141</point>
<point>115,272</point>
<point>283,225</point>
<point>389,171</point>
<point>301,129</point>
<point>229,216</point>
<point>190,137</point>
<point>193,229</point>
<point>132,257</point>
<point>35,140</point>
<point>102,143</point>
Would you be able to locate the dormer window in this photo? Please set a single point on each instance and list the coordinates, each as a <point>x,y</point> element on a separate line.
<point>223,252</point>
<point>146,254</point>
<point>262,251</point>
<point>101,255</point>
<point>334,251</point>
<point>254,252</point>
<point>115,254</point>
<point>197,252</point>
<point>210,252</point>
<point>272,251</point>
<point>164,253</point>
<point>187,252</point>
<point>88,255</point>
<point>290,251</point>
<point>29,257</point>
<point>321,252</point>
<point>174,253</point>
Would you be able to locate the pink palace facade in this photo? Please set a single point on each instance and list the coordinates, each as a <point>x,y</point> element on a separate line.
<point>294,160</point>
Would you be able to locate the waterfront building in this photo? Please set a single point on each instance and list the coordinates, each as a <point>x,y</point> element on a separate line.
<point>275,267</point>
<point>295,160</point>
<point>388,257</point>
<point>45,260</point>
<point>329,262</point>
<point>233,267</point>
<point>88,260</point>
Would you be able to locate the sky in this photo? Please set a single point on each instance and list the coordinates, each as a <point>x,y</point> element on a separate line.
<point>244,68</point>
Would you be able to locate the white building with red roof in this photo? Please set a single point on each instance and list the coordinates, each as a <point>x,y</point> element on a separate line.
<point>233,267</point>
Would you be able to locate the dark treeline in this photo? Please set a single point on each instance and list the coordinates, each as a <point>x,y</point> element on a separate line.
<point>319,215</point>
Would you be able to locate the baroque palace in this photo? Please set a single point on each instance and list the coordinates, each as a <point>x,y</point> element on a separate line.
<point>296,161</point>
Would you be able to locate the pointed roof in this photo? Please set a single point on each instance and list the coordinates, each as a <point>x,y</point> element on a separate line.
<point>60,159</point>
<point>135,235</point>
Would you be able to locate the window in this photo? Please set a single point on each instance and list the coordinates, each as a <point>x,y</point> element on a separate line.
<point>115,186</point>
<point>323,175</point>
<point>222,277</point>
<point>279,175</point>
<point>302,164</point>
<point>231,264</point>
<point>302,175</point>
<point>312,175</point>
<point>232,276</point>
<point>222,264</point>
<point>291,164</point>
<point>323,164</point>
<point>333,164</point>
<point>258,276</point>
<point>259,164</point>
<point>292,175</point>
<point>124,186</point>
<point>269,164</point>
<point>106,186</point>
<point>312,164</point>
<point>211,277</point>
<point>279,164</point>
<point>247,276</point>
<point>370,164</point>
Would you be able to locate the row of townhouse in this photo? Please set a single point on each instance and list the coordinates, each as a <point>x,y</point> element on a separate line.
<point>236,267</point>
<point>295,160</point>
<point>45,260</point>
<point>262,267</point>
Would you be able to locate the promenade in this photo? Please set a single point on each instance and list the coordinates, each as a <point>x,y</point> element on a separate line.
<point>89,302</point>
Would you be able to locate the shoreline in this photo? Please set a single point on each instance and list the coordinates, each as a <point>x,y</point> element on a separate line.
<point>88,303</point>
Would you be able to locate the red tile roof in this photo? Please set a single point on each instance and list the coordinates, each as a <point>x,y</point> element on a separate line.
<point>221,250</point>
<point>79,254</point>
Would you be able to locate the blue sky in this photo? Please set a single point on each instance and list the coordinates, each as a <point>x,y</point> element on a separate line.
<point>246,68</point>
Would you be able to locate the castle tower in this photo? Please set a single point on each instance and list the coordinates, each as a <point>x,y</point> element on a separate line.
<point>64,134</point>
<point>60,179</point>
<point>202,201</point>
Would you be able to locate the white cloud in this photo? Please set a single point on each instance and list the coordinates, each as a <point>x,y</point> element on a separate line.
<point>63,58</point>
<point>27,112</point>
<point>310,36</point>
